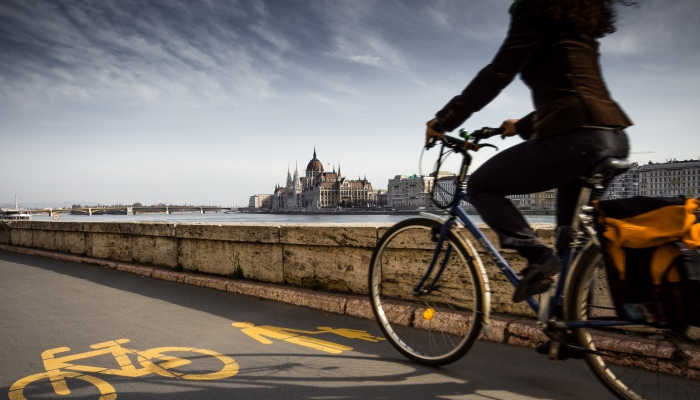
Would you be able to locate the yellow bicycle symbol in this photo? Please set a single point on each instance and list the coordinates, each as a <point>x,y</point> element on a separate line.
<point>152,361</point>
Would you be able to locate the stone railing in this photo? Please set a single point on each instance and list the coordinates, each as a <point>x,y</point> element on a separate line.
<point>331,258</point>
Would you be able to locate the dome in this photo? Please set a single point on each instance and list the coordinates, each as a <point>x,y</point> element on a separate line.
<point>314,165</point>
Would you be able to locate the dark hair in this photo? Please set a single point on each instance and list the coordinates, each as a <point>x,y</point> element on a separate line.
<point>592,17</point>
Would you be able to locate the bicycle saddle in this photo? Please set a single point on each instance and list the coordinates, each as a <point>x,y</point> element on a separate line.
<point>607,169</point>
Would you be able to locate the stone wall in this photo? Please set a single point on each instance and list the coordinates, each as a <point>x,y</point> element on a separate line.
<point>332,258</point>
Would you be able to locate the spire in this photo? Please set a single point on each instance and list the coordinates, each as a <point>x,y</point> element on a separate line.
<point>314,153</point>
<point>297,180</point>
<point>339,171</point>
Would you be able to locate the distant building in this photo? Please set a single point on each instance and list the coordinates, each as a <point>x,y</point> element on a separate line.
<point>541,201</point>
<point>669,179</point>
<point>546,200</point>
<point>260,201</point>
<point>320,189</point>
<point>523,201</point>
<point>409,192</point>
<point>412,192</point>
<point>382,198</point>
<point>624,185</point>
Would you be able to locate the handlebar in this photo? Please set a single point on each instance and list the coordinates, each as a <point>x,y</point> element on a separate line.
<point>468,141</point>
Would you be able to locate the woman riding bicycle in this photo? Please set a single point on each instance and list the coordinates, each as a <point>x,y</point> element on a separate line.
<point>553,45</point>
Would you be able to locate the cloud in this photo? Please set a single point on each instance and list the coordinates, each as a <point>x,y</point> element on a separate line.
<point>173,85</point>
<point>122,50</point>
<point>368,50</point>
<point>656,28</point>
<point>356,42</point>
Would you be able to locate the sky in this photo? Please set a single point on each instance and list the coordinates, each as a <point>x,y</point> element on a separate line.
<point>209,102</point>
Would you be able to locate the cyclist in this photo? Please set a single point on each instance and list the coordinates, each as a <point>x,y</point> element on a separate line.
<point>553,45</point>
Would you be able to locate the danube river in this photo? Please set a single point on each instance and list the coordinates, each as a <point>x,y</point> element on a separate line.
<point>253,218</point>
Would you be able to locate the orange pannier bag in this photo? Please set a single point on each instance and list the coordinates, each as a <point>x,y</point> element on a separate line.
<point>651,249</point>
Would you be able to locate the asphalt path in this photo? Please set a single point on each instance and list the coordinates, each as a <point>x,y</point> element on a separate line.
<point>274,351</point>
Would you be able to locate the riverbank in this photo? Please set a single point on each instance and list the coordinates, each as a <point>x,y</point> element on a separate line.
<point>265,218</point>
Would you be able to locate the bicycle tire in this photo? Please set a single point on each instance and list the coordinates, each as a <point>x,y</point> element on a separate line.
<point>634,362</point>
<point>433,329</point>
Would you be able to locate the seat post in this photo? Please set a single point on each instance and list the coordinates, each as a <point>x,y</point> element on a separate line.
<point>592,188</point>
<point>583,199</point>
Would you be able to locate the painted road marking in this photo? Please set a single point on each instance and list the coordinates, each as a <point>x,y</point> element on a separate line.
<point>264,333</point>
<point>152,361</point>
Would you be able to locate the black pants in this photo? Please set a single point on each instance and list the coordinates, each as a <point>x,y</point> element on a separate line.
<point>534,166</point>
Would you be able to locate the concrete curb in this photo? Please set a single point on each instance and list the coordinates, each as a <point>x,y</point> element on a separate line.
<point>503,328</point>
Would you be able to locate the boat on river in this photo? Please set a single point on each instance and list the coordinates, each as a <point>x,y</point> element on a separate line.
<point>14,214</point>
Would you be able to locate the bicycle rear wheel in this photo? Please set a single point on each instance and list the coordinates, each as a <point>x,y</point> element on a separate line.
<point>432,328</point>
<point>634,362</point>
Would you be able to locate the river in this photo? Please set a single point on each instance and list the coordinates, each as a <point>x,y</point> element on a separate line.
<point>215,218</point>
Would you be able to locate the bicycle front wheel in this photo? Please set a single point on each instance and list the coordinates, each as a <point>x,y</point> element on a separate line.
<point>439,325</point>
<point>634,362</point>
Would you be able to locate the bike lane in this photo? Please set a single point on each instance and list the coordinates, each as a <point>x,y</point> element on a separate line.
<point>100,333</point>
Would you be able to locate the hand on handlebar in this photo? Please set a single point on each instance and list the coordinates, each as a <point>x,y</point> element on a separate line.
<point>431,134</point>
<point>508,127</point>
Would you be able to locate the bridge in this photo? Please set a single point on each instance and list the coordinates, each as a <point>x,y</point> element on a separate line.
<point>128,210</point>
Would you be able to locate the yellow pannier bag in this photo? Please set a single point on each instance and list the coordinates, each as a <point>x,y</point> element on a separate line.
<point>652,247</point>
<point>660,228</point>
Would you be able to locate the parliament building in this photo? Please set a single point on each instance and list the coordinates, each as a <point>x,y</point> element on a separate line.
<point>319,189</point>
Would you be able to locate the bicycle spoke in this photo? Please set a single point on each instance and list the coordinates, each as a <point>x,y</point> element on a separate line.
<point>439,323</point>
<point>634,361</point>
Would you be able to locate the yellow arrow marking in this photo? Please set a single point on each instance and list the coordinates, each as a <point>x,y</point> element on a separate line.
<point>264,333</point>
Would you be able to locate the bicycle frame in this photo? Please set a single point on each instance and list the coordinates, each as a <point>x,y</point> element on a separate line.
<point>552,301</point>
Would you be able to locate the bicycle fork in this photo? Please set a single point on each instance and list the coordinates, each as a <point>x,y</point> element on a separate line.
<point>439,237</point>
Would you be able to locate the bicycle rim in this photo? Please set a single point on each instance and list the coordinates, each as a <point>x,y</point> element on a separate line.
<point>634,362</point>
<point>434,328</point>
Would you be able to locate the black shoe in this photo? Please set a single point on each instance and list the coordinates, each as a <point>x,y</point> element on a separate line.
<point>537,277</point>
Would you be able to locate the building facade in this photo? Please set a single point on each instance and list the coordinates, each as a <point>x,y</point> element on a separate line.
<point>670,179</point>
<point>540,201</point>
<point>412,192</point>
<point>409,192</point>
<point>260,201</point>
<point>624,185</point>
<point>320,189</point>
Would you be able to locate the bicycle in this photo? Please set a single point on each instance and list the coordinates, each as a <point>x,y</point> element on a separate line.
<point>430,292</point>
<point>59,369</point>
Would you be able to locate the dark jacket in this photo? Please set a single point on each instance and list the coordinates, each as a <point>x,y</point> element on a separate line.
<point>559,65</point>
